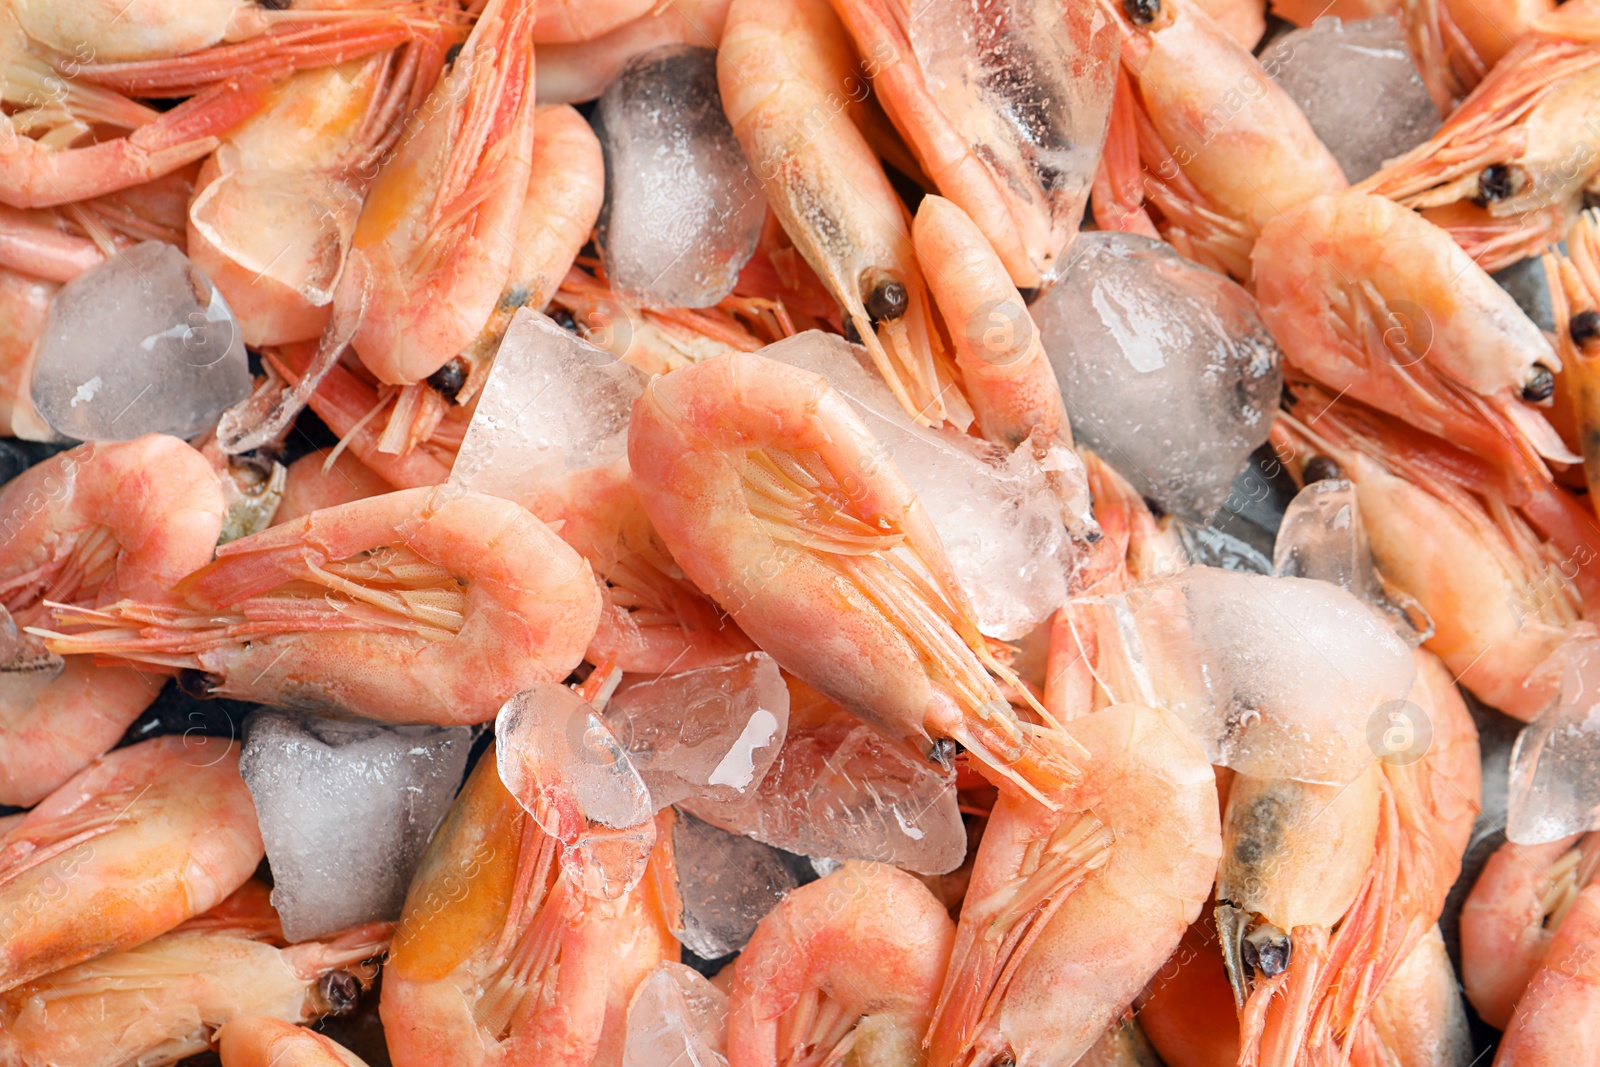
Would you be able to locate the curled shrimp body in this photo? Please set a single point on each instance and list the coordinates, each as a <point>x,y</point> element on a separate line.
<point>846,968</point>
<point>1202,134</point>
<point>498,958</point>
<point>1005,373</point>
<point>172,811</point>
<point>1513,912</point>
<point>426,605</point>
<point>782,65</point>
<point>1557,1021</point>
<point>89,526</point>
<point>262,1041</point>
<point>1187,1010</point>
<point>1377,303</point>
<point>1418,1017</point>
<point>165,999</point>
<point>776,500</point>
<point>1575,299</point>
<point>1520,145</point>
<point>1070,913</point>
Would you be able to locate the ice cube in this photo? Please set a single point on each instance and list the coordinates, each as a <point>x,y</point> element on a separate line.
<point>346,810</point>
<point>677,1019</point>
<point>839,791</point>
<point>142,343</point>
<point>1555,765</point>
<point>553,404</point>
<point>1278,677</point>
<point>999,518</point>
<point>1028,85</point>
<point>712,731</point>
<point>725,884</point>
<point>567,770</point>
<point>1165,367</point>
<point>683,213</point>
<point>1359,89</point>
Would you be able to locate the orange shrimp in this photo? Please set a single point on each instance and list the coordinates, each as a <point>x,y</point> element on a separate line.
<point>89,526</point>
<point>262,1041</point>
<point>313,484</point>
<point>580,70</point>
<point>164,1000</point>
<point>499,958</point>
<point>845,968</point>
<point>1187,1010</point>
<point>1377,303</point>
<point>1220,150</point>
<point>173,813</point>
<point>1523,145</point>
<point>1556,1019</point>
<point>425,605</point>
<point>1418,1016</point>
<point>1012,148</point>
<point>1070,913</point>
<point>1575,302</point>
<point>776,500</point>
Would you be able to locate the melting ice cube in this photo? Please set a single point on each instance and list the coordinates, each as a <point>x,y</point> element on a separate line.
<point>1555,766</point>
<point>677,1019</point>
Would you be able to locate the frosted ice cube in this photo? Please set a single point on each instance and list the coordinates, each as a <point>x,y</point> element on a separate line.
<point>142,343</point>
<point>1278,677</point>
<point>1165,367</point>
<point>999,519</point>
<point>676,1019</point>
<point>725,885</point>
<point>1359,89</point>
<point>1027,84</point>
<point>346,810</point>
<point>553,403</point>
<point>713,731</point>
<point>683,213</point>
<point>839,791</point>
<point>1555,765</point>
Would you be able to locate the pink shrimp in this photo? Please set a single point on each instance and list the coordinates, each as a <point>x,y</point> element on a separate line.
<point>844,968</point>
<point>129,848</point>
<point>425,605</point>
<point>775,500</point>
<point>262,1041</point>
<point>99,522</point>
<point>1575,298</point>
<point>1070,913</point>
<point>580,70</point>
<point>313,484</point>
<point>1557,1021</point>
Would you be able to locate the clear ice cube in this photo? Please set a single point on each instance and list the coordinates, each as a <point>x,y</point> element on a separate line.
<point>682,213</point>
<point>142,343</point>
<point>713,731</point>
<point>346,810</point>
<point>1555,765</point>
<point>676,1019</point>
<point>725,884</point>
<point>1166,369</point>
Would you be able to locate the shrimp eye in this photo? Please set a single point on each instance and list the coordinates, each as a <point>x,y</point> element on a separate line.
<point>448,379</point>
<point>564,319</point>
<point>1584,327</point>
<point>1320,469</point>
<point>340,991</point>
<point>887,300</point>
<point>1540,385</point>
<point>1142,12</point>
<point>198,684</point>
<point>1267,948</point>
<point>1497,182</point>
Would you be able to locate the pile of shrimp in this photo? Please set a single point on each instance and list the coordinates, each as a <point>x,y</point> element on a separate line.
<point>1154,873</point>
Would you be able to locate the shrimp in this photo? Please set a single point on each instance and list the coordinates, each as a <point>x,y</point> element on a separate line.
<point>1521,144</point>
<point>313,483</point>
<point>580,70</point>
<point>163,1000</point>
<point>1508,921</point>
<point>1501,596</point>
<point>566,188</point>
<point>1221,151</point>
<point>1418,1017</point>
<point>275,206</point>
<point>262,1041</point>
<point>565,21</point>
<point>845,968</point>
<point>173,811</point>
<point>1012,148</point>
<point>425,605</point>
<point>24,300</point>
<point>90,525</point>
<point>498,958</point>
<point>1244,21</point>
<point>1070,913</point>
<point>1378,304</point>
<point>1005,373</point>
<point>1556,1019</point>
<point>1187,1010</point>
<point>775,500</point>
<point>1575,298</point>
<point>641,941</point>
<point>781,65</point>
